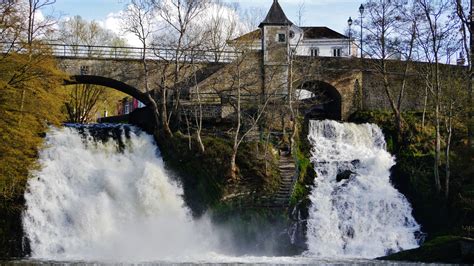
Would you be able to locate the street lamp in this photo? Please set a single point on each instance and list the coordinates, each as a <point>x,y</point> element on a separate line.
<point>349,22</point>
<point>361,11</point>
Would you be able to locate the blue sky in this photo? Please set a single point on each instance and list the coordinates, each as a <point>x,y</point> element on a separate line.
<point>331,13</point>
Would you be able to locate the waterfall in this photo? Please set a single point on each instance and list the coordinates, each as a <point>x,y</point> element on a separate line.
<point>101,193</point>
<point>355,211</point>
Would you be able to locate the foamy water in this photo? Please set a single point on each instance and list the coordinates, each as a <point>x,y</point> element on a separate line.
<point>91,201</point>
<point>364,216</point>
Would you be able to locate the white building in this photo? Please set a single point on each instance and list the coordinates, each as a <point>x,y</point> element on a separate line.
<point>305,41</point>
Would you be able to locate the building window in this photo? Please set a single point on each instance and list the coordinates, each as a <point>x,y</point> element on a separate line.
<point>84,70</point>
<point>281,37</point>
<point>292,34</point>
<point>337,52</point>
<point>314,52</point>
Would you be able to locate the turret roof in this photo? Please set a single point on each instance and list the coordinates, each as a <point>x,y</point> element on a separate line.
<point>276,16</point>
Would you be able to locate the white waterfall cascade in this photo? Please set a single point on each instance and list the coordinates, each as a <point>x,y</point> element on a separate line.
<point>363,216</point>
<point>95,200</point>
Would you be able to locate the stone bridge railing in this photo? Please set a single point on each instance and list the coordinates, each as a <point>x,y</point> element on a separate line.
<point>131,53</point>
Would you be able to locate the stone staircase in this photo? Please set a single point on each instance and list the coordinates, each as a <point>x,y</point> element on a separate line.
<point>287,172</point>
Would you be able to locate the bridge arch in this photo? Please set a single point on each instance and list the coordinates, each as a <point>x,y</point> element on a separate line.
<point>110,83</point>
<point>321,100</point>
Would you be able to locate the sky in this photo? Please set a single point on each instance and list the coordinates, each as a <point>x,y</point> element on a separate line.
<point>331,13</point>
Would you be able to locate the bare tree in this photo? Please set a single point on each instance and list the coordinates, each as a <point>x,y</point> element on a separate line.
<point>391,32</point>
<point>253,119</point>
<point>220,27</point>
<point>178,16</point>
<point>453,104</point>
<point>463,10</point>
<point>436,40</point>
<point>139,20</point>
<point>198,111</point>
<point>36,27</point>
<point>83,99</point>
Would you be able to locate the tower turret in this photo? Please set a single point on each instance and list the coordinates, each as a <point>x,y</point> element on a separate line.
<point>276,31</point>
<point>276,48</point>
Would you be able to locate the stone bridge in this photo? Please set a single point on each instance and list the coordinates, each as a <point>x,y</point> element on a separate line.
<point>121,68</point>
<point>337,87</point>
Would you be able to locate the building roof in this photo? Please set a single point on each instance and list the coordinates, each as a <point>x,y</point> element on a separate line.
<point>309,33</point>
<point>321,33</point>
<point>275,16</point>
<point>250,36</point>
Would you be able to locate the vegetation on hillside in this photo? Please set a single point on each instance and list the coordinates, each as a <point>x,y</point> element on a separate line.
<point>30,100</point>
<point>204,175</point>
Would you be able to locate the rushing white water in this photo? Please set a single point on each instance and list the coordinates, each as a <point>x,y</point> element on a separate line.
<point>363,216</point>
<point>96,200</point>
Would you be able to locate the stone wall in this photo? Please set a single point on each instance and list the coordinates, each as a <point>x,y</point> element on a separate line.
<point>357,81</point>
<point>131,71</point>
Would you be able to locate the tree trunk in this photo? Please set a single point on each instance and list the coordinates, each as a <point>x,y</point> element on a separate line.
<point>438,128</point>
<point>393,105</point>
<point>152,101</point>
<point>471,84</point>
<point>199,115</point>
<point>425,105</point>
<point>291,93</point>
<point>199,140</point>
<point>22,106</point>
<point>164,111</point>
<point>449,131</point>
<point>233,165</point>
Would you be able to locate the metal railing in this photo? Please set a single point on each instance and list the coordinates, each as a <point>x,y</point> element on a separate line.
<point>130,53</point>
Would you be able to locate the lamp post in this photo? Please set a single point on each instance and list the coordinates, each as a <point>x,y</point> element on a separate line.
<point>361,11</point>
<point>349,22</point>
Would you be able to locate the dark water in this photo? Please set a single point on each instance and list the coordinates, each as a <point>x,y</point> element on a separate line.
<point>222,260</point>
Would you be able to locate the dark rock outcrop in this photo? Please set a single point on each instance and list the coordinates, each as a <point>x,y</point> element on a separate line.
<point>447,249</point>
<point>344,175</point>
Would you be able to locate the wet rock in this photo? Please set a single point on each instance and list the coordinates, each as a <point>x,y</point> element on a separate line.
<point>298,227</point>
<point>344,175</point>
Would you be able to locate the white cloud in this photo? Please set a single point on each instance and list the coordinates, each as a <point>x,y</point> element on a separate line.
<point>114,23</point>
<point>228,16</point>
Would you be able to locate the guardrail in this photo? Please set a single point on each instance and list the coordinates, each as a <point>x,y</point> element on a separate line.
<point>131,53</point>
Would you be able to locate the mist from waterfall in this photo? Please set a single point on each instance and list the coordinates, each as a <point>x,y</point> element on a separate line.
<point>362,215</point>
<point>110,199</point>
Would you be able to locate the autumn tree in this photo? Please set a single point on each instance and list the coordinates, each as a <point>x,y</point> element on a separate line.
<point>30,100</point>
